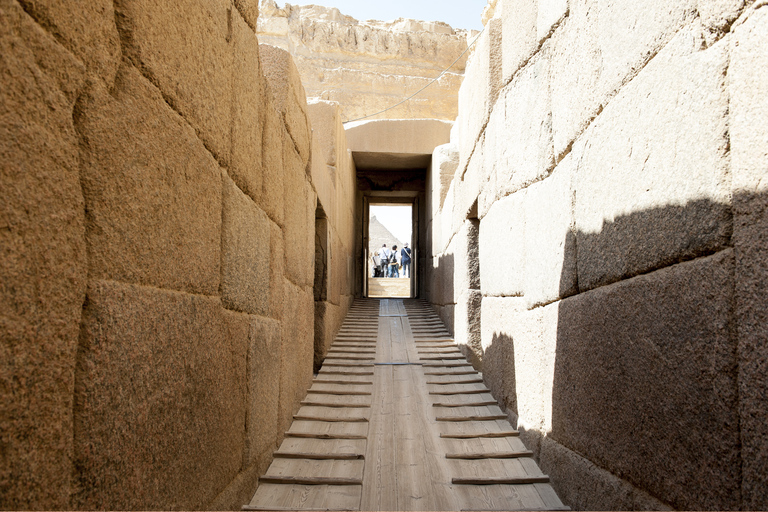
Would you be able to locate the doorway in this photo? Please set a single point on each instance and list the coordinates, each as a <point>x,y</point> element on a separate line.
<point>391,241</point>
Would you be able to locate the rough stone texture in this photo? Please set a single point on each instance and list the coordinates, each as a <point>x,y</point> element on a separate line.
<point>550,13</point>
<point>519,134</point>
<point>152,191</point>
<point>159,398</point>
<point>189,57</point>
<point>42,262</point>
<point>369,66</point>
<point>276,271</point>
<point>290,99</point>
<point>445,161</point>
<point>502,249</point>
<point>748,85</point>
<point>651,185</point>
<point>550,251</point>
<point>599,47</point>
<point>519,38</point>
<point>245,252</point>
<point>300,205</point>
<point>467,325</point>
<point>273,154</point>
<point>87,29</point>
<point>264,356</point>
<point>716,15</point>
<point>249,10</point>
<point>645,373</point>
<point>249,106</point>
<point>585,486</point>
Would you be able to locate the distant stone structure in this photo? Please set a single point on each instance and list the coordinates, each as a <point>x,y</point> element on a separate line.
<point>368,66</point>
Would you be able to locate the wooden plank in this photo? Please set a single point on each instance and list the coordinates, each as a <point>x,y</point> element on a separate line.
<point>310,480</point>
<point>463,372</point>
<point>490,455</point>
<point>442,358</point>
<point>338,381</point>
<point>379,477</point>
<point>329,447</point>
<point>318,456</point>
<point>340,392</point>
<point>490,417</point>
<point>327,430</point>
<point>473,404</point>
<point>490,480</point>
<point>508,433</point>
<point>445,383</point>
<point>302,497</point>
<point>460,392</point>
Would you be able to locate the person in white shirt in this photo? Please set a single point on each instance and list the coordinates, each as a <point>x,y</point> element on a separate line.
<point>384,255</point>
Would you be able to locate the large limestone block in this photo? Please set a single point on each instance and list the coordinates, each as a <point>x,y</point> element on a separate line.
<point>502,248</point>
<point>551,12</point>
<point>248,111</point>
<point>160,397</point>
<point>519,135</point>
<point>601,46</point>
<point>290,99</point>
<point>43,269</point>
<point>467,325</point>
<point>152,191</point>
<point>274,137</point>
<point>550,244</point>
<point>441,279</point>
<point>328,152</point>
<point>445,161</point>
<point>645,373</point>
<point>717,15</point>
<point>185,48</point>
<point>748,87</point>
<point>467,268</point>
<point>585,486</point>
<point>471,187</point>
<point>249,10</point>
<point>245,252</point>
<point>651,184</point>
<point>300,205</point>
<point>264,356</point>
<point>87,29</point>
<point>497,323</point>
<point>519,34</point>
<point>276,271</point>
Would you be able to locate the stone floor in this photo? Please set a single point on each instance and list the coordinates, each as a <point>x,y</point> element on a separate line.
<point>397,419</point>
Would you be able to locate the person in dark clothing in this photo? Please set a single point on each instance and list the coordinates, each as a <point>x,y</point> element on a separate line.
<point>405,260</point>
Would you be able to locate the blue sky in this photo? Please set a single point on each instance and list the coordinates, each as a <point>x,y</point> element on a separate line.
<point>457,13</point>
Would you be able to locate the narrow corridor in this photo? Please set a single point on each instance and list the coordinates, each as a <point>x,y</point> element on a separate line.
<point>397,419</point>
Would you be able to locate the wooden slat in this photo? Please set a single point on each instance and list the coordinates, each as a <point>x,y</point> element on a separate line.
<point>508,433</point>
<point>319,456</point>
<point>308,480</point>
<point>470,404</point>
<point>489,417</point>
<point>445,383</point>
<point>461,392</point>
<point>500,480</point>
<point>490,455</point>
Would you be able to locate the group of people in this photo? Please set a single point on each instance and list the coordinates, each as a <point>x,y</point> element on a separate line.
<point>387,263</point>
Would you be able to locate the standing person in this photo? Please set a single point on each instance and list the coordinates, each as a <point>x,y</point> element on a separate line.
<point>384,255</point>
<point>405,260</point>
<point>393,272</point>
<point>376,264</point>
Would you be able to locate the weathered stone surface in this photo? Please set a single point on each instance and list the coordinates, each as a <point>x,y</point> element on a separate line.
<point>585,486</point>
<point>550,248</point>
<point>249,10</point>
<point>276,271</point>
<point>651,179</point>
<point>502,247</point>
<point>519,34</point>
<point>369,66</point>
<point>300,205</point>
<point>466,242</point>
<point>43,267</point>
<point>159,398</point>
<point>245,252</point>
<point>645,372</point>
<point>716,15</point>
<point>152,191</point>
<point>188,57</point>
<point>248,111</point>
<point>599,47</point>
<point>273,183</point>
<point>445,161</point>
<point>290,99</point>
<point>264,356</point>
<point>519,134</point>
<point>467,325</point>
<point>748,85</point>
<point>328,151</point>
<point>550,13</point>
<point>87,29</point>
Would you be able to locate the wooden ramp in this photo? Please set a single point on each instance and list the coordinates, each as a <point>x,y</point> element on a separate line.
<point>397,419</point>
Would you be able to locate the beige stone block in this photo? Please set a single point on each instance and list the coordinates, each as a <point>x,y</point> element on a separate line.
<point>467,325</point>
<point>445,161</point>
<point>550,243</point>
<point>274,137</point>
<point>441,279</point>
<point>551,12</point>
<point>245,252</point>
<point>470,188</point>
<point>447,219</point>
<point>300,205</point>
<point>651,184</point>
<point>519,135</point>
<point>276,271</point>
<point>519,34</point>
<point>152,191</point>
<point>502,248</point>
<point>87,29</point>
<point>249,10</point>
<point>717,15</point>
<point>466,273</point>
<point>598,49</point>
<point>160,397</point>
<point>585,486</point>
<point>43,262</point>
<point>290,99</point>
<point>655,356</point>
<point>248,111</point>
<point>264,356</point>
<point>189,57</point>
<point>748,86</point>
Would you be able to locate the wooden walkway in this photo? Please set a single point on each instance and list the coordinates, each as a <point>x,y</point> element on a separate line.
<point>398,420</point>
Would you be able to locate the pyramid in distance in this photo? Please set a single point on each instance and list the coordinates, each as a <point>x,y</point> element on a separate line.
<point>378,234</point>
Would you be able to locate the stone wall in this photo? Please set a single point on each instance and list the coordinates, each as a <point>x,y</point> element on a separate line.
<point>610,160</point>
<point>368,66</point>
<point>157,232</point>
